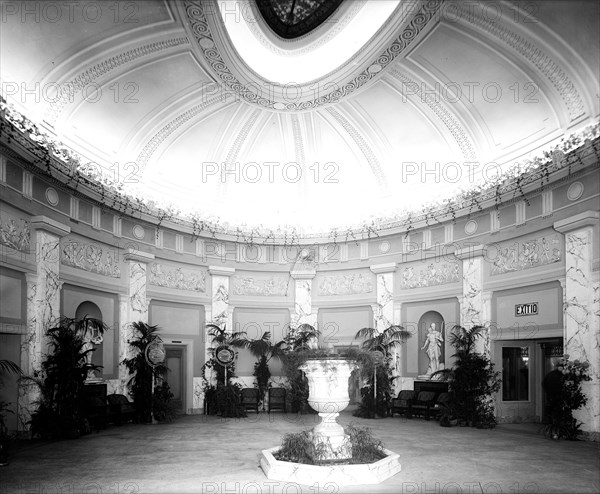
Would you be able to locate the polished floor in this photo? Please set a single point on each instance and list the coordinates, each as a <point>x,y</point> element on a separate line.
<point>207,454</point>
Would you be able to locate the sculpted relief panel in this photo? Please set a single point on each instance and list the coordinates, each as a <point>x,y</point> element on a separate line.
<point>524,254</point>
<point>90,257</point>
<point>345,284</point>
<point>436,273</point>
<point>266,286</point>
<point>14,233</point>
<point>177,278</point>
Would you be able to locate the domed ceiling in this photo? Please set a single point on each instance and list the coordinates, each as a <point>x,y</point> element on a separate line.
<point>308,116</point>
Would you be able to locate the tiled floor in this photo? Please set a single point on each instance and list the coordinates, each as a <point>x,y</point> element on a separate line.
<point>214,455</point>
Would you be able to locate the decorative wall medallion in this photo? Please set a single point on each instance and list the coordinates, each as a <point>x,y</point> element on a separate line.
<point>90,257</point>
<point>138,232</point>
<point>345,284</point>
<point>261,286</point>
<point>14,233</point>
<point>471,227</point>
<point>436,273</point>
<point>52,196</point>
<point>524,254</point>
<point>384,247</point>
<point>575,191</point>
<point>177,278</point>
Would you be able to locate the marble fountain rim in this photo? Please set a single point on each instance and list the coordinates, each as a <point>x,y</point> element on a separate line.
<point>342,475</point>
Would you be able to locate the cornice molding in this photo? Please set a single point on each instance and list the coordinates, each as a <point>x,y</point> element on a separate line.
<point>49,225</point>
<point>582,220</point>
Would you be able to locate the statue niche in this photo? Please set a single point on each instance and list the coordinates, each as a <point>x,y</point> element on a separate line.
<point>93,340</point>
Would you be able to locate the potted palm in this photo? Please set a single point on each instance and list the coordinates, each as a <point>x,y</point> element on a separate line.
<point>59,412</point>
<point>224,397</point>
<point>144,375</point>
<point>264,350</point>
<point>472,381</point>
<point>376,394</point>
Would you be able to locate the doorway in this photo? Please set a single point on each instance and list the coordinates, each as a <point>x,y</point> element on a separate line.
<point>175,360</point>
<point>552,352</point>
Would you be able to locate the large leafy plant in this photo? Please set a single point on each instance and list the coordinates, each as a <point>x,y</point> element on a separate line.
<point>569,399</point>
<point>265,350</point>
<point>144,375</point>
<point>378,374</point>
<point>223,397</point>
<point>298,343</point>
<point>472,380</point>
<point>62,377</point>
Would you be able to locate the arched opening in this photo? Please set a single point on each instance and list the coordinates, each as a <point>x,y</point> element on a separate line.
<point>90,309</point>
<point>428,343</point>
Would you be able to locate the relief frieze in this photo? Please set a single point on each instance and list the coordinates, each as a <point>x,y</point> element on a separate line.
<point>261,286</point>
<point>345,284</point>
<point>90,257</point>
<point>177,278</point>
<point>435,273</point>
<point>524,254</point>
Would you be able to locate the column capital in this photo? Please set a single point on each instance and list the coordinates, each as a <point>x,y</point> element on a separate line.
<point>220,271</point>
<point>49,225</point>
<point>31,278</point>
<point>471,252</point>
<point>586,219</point>
<point>303,274</point>
<point>388,267</point>
<point>133,255</point>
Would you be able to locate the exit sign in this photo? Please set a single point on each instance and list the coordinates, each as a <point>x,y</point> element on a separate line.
<point>526,309</point>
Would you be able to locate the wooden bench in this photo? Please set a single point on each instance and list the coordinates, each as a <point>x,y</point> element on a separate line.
<point>401,404</point>
<point>121,409</point>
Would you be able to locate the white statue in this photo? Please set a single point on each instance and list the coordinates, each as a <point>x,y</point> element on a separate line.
<point>92,337</point>
<point>433,347</point>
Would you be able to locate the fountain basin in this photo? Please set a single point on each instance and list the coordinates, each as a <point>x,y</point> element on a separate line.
<point>366,473</point>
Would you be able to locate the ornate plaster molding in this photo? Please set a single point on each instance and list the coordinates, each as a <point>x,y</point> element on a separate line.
<point>274,97</point>
<point>93,73</point>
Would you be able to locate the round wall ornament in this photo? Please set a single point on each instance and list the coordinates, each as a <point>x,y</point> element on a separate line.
<point>471,227</point>
<point>52,196</point>
<point>575,191</point>
<point>384,247</point>
<point>138,232</point>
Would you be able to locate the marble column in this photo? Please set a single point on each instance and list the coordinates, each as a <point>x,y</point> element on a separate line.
<point>43,306</point>
<point>383,309</point>
<point>472,305</point>
<point>221,313</point>
<point>582,328</point>
<point>303,310</point>
<point>133,307</point>
<point>383,313</point>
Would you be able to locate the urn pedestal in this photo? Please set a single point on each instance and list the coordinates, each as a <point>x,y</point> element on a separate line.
<point>328,395</point>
